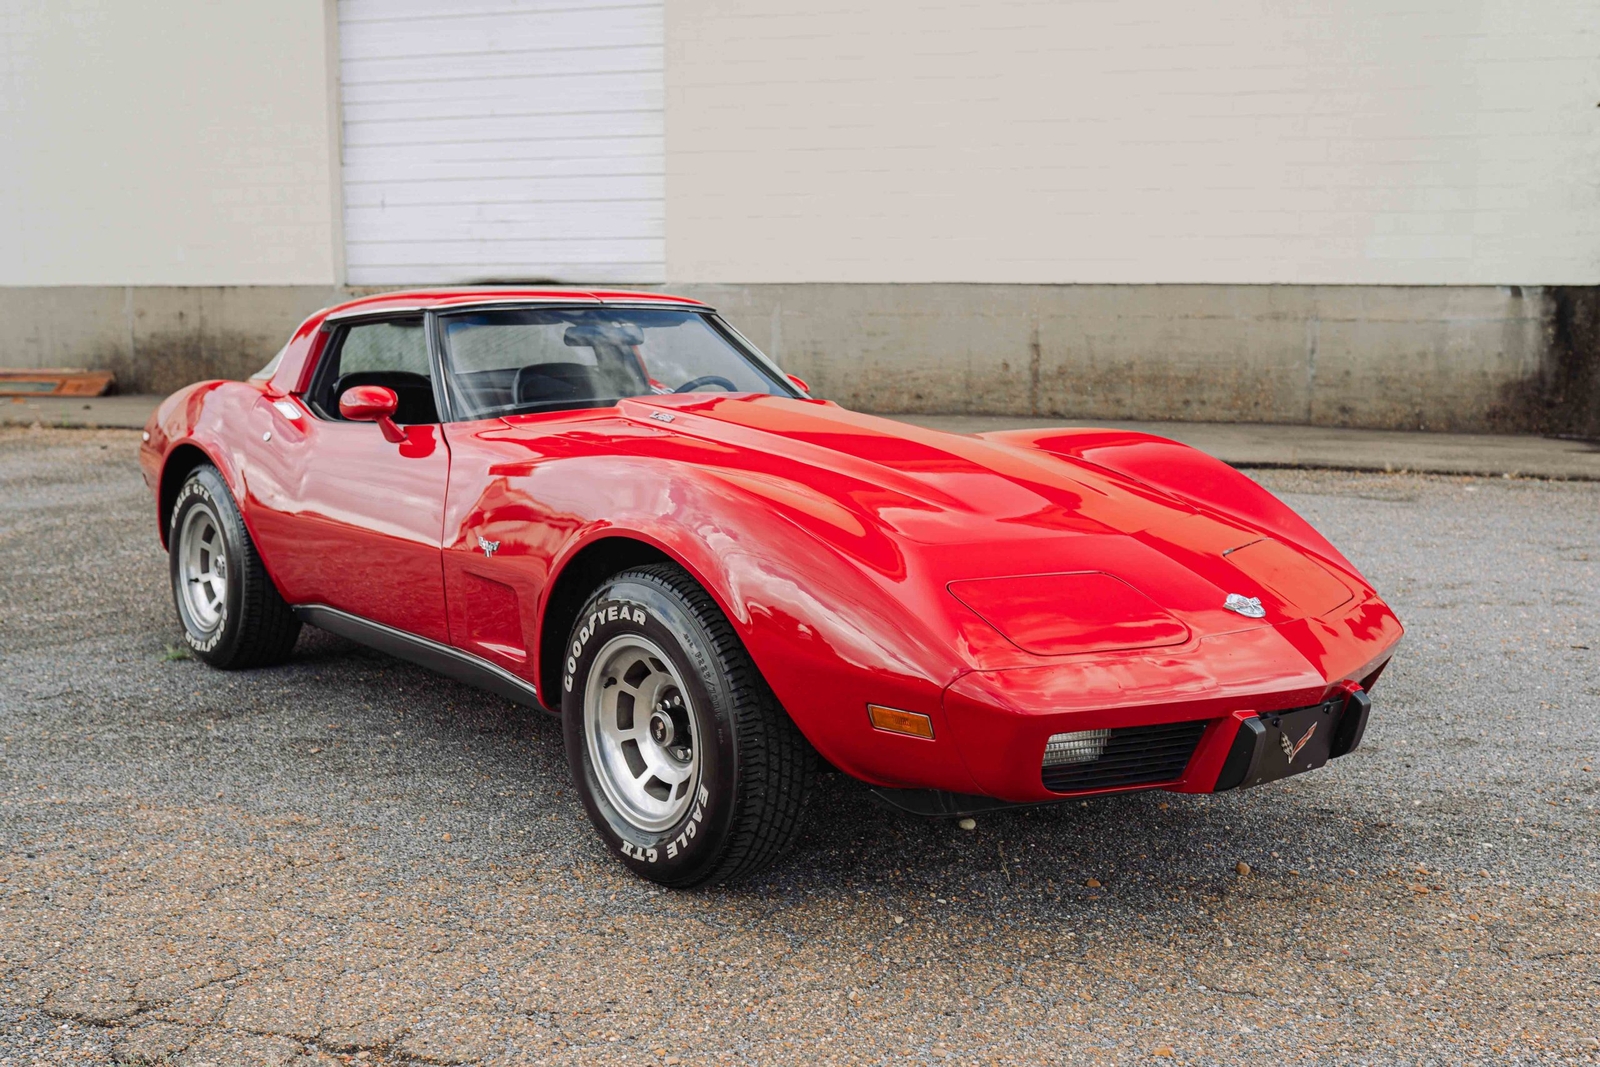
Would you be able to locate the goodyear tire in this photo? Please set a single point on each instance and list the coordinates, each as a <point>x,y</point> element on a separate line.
<point>687,766</point>
<point>232,615</point>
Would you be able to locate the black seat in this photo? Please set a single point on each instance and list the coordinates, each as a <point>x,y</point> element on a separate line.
<point>539,383</point>
<point>414,391</point>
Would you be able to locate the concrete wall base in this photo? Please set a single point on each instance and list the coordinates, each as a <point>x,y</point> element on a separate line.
<point>1466,359</point>
<point>156,338</point>
<point>1387,357</point>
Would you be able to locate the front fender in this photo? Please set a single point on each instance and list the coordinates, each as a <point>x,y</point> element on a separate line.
<point>832,614</point>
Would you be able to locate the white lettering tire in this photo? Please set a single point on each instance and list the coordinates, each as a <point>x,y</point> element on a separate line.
<point>686,764</point>
<point>232,614</point>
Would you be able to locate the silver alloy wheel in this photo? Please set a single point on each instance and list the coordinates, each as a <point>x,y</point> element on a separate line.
<point>202,568</point>
<point>642,736</point>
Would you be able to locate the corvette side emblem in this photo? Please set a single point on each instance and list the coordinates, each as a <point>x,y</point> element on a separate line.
<point>1294,750</point>
<point>489,547</point>
<point>1248,606</point>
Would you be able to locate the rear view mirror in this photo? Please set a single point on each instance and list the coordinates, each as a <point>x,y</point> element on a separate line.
<point>373,403</point>
<point>589,334</point>
<point>799,383</point>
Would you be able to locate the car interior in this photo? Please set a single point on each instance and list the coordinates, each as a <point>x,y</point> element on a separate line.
<point>414,392</point>
<point>393,354</point>
<point>601,363</point>
<point>506,361</point>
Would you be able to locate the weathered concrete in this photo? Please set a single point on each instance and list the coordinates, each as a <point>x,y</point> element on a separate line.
<point>156,338</point>
<point>1465,359</point>
<point>1439,358</point>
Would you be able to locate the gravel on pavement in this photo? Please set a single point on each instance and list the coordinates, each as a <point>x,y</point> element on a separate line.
<point>346,859</point>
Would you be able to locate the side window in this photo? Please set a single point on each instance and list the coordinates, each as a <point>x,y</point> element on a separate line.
<point>393,353</point>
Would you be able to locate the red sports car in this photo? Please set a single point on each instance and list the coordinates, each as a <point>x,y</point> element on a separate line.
<point>612,506</point>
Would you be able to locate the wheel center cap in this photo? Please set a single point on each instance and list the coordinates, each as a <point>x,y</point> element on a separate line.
<point>662,731</point>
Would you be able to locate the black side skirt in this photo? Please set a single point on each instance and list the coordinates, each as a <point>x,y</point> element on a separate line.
<point>451,662</point>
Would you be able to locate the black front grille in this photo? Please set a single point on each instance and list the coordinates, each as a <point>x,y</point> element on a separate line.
<point>1135,755</point>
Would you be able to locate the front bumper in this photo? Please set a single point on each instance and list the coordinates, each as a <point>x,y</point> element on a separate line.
<point>1256,754</point>
<point>1215,692</point>
<point>1276,745</point>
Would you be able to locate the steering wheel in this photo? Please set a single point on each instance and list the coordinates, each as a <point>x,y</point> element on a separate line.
<point>706,379</point>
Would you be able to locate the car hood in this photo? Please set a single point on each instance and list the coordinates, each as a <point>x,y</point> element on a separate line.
<point>951,508</point>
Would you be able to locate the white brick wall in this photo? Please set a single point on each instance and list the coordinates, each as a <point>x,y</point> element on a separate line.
<point>180,143</point>
<point>1318,141</point>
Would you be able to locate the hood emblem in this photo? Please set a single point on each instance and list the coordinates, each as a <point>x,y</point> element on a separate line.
<point>1248,606</point>
<point>661,416</point>
<point>489,547</point>
<point>1294,750</point>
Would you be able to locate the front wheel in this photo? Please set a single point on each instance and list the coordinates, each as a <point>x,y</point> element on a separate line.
<point>686,764</point>
<point>232,614</point>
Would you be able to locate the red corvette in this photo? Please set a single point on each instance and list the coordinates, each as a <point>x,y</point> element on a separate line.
<point>612,506</point>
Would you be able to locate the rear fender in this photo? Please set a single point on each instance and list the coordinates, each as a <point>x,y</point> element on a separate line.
<point>204,418</point>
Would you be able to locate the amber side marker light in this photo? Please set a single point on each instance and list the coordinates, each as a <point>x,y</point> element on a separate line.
<point>900,722</point>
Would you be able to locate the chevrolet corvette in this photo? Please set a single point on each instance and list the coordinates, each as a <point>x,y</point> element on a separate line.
<point>611,506</point>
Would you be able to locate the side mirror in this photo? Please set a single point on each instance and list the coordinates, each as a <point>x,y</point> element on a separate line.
<point>799,383</point>
<point>373,403</point>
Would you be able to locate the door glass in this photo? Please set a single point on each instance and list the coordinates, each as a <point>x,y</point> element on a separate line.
<point>393,354</point>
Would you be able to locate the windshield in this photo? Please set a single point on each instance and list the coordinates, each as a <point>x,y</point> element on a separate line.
<point>544,359</point>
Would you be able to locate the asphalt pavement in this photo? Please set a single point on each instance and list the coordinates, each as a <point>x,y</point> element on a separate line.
<point>347,859</point>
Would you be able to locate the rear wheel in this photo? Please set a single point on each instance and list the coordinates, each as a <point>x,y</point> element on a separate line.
<point>686,764</point>
<point>232,614</point>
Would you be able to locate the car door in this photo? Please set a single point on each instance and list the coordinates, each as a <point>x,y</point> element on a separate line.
<point>507,516</point>
<point>504,519</point>
<point>345,518</point>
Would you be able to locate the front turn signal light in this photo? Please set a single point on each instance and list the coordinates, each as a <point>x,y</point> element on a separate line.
<point>893,721</point>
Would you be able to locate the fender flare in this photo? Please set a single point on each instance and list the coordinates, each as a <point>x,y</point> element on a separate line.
<point>171,472</point>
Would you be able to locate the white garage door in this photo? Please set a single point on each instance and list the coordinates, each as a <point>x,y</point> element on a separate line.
<point>502,139</point>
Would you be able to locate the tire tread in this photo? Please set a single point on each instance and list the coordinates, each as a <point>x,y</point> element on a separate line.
<point>777,765</point>
<point>269,628</point>
<point>267,625</point>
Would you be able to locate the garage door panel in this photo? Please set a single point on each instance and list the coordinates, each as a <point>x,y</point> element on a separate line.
<point>506,33</point>
<point>485,90</point>
<point>352,11</point>
<point>445,132</point>
<point>388,10</point>
<point>506,138</point>
<point>489,272</point>
<point>611,219</point>
<point>454,68</point>
<point>619,168</point>
<point>578,97</point>
<point>583,154</point>
<point>511,256</point>
<point>554,189</point>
